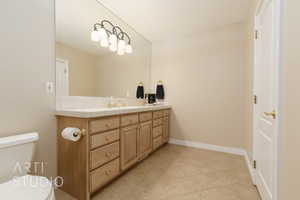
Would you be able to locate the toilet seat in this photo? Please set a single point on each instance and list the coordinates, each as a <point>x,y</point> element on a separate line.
<point>27,188</point>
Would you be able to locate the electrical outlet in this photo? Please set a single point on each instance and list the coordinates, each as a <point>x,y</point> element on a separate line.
<point>50,87</point>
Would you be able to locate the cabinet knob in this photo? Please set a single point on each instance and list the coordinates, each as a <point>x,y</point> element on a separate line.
<point>108,154</point>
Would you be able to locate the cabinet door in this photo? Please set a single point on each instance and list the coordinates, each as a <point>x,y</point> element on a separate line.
<point>145,139</point>
<point>166,134</point>
<point>129,146</point>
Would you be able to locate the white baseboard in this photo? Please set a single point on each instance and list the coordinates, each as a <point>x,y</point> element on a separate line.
<point>236,151</point>
<point>250,168</point>
<point>231,150</point>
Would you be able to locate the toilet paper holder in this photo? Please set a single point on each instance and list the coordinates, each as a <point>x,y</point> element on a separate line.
<point>81,133</point>
<point>73,134</point>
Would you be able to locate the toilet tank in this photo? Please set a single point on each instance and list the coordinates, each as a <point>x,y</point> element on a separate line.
<point>16,154</point>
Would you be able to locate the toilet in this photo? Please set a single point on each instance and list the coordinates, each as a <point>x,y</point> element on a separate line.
<point>15,184</point>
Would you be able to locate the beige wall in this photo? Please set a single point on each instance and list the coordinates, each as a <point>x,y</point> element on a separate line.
<point>82,70</point>
<point>26,64</point>
<point>289,174</point>
<point>207,83</point>
<point>119,75</point>
<point>107,74</point>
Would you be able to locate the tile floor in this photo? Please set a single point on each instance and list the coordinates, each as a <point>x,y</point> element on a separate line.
<point>181,173</point>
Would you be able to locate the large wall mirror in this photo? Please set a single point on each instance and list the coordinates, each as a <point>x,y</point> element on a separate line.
<point>83,66</point>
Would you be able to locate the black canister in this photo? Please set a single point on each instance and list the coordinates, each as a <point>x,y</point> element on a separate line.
<point>151,98</point>
<point>140,91</point>
<point>160,91</point>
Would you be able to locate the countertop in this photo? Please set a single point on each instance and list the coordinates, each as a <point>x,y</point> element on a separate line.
<point>100,112</point>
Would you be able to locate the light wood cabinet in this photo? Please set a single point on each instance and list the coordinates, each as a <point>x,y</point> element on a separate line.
<point>99,140</point>
<point>157,142</point>
<point>129,119</point>
<point>166,129</point>
<point>104,124</point>
<point>145,116</point>
<point>129,146</point>
<point>104,154</point>
<point>145,139</point>
<point>157,131</point>
<point>160,130</point>
<point>158,114</point>
<point>166,112</point>
<point>110,146</point>
<point>158,122</point>
<point>104,174</point>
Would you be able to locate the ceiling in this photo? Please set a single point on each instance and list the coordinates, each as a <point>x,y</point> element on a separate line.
<point>156,20</point>
<point>161,19</point>
<point>74,23</point>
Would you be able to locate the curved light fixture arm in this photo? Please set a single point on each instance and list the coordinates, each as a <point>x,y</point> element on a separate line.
<point>122,34</point>
<point>112,30</point>
<point>108,22</point>
<point>117,29</point>
<point>95,26</point>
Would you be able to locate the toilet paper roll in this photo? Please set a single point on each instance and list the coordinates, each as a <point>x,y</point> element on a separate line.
<point>72,134</point>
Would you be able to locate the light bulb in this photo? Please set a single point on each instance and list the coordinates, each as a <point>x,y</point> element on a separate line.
<point>113,47</point>
<point>121,45</point>
<point>128,48</point>
<point>120,51</point>
<point>102,34</point>
<point>113,40</point>
<point>95,36</point>
<point>104,43</point>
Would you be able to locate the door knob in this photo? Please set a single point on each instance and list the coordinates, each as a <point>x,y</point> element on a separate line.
<point>272,114</point>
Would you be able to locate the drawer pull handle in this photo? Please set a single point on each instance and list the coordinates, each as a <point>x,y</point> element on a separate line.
<point>107,154</point>
<point>108,172</point>
<point>107,138</point>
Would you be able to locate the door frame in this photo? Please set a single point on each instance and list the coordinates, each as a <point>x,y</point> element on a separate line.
<point>66,62</point>
<point>277,53</point>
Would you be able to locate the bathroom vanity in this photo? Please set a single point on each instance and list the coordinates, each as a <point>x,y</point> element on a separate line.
<point>113,140</point>
<point>116,133</point>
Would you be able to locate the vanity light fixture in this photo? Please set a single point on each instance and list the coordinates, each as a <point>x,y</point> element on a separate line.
<point>112,36</point>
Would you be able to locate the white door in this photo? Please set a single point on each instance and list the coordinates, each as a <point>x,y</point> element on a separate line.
<point>266,89</point>
<point>62,78</point>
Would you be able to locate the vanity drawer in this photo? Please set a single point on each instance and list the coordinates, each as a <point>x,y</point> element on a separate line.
<point>166,112</point>
<point>129,119</point>
<point>157,122</point>
<point>104,154</point>
<point>104,124</point>
<point>104,174</point>
<point>157,142</point>
<point>146,116</point>
<point>104,138</point>
<point>158,114</point>
<point>157,131</point>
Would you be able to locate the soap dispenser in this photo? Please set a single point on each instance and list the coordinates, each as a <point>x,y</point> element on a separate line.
<point>140,91</point>
<point>160,91</point>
